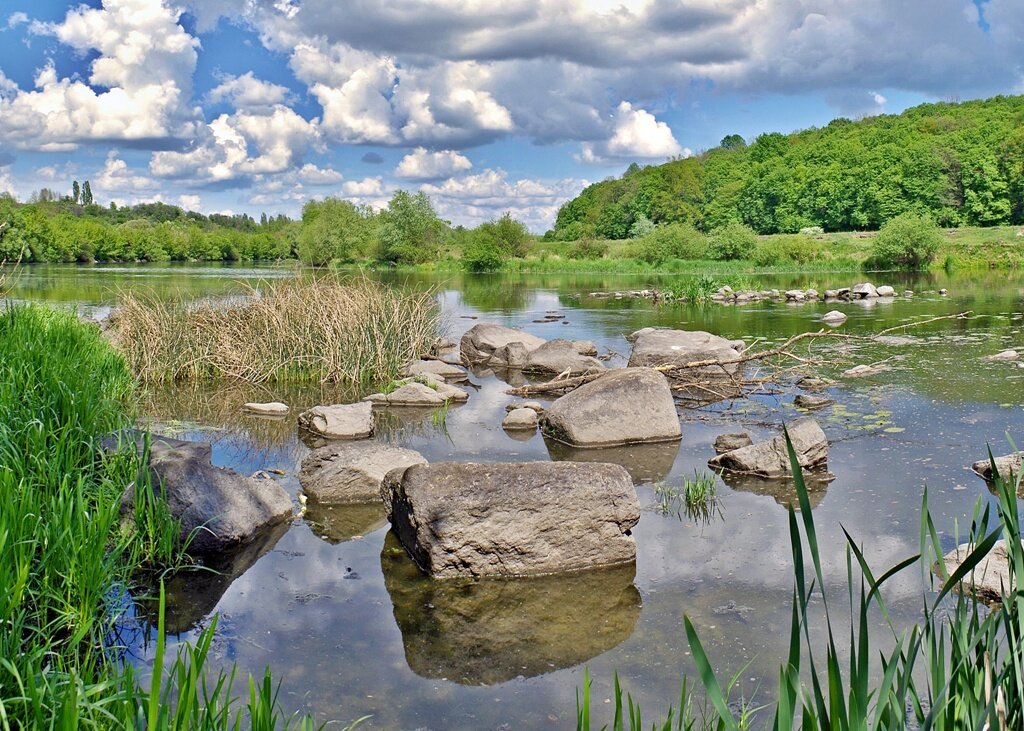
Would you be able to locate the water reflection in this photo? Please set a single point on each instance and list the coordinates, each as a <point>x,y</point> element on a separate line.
<point>645,463</point>
<point>782,490</point>
<point>339,523</point>
<point>489,631</point>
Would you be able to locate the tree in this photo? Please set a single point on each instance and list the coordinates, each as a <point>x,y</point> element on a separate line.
<point>732,142</point>
<point>76,191</point>
<point>641,227</point>
<point>909,241</point>
<point>334,229</point>
<point>410,230</point>
<point>86,194</point>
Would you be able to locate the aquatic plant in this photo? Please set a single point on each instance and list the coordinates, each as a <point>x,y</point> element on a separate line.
<point>696,290</point>
<point>695,499</point>
<point>961,666</point>
<point>303,329</point>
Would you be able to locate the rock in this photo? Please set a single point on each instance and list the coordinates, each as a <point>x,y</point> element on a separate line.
<point>558,356</point>
<point>835,317</point>
<point>480,342</point>
<point>535,405</point>
<point>340,421</point>
<point>512,519</point>
<point>222,508</point>
<point>795,295</point>
<point>990,580</point>
<point>730,442</point>
<point>886,291</point>
<point>831,294</point>
<point>445,371</point>
<point>811,294</point>
<point>351,472</point>
<point>624,406</point>
<point>1006,465</point>
<point>656,346</point>
<point>1003,355</point>
<point>806,401</point>
<point>489,631</point>
<point>862,371</point>
<point>864,290</point>
<point>414,393</point>
<point>273,408</point>
<point>943,292</point>
<point>513,355</point>
<point>843,293</point>
<point>585,347</point>
<point>908,293</point>
<point>520,419</point>
<point>771,458</point>
<point>813,383</point>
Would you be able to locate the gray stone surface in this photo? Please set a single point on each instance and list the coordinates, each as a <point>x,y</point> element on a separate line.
<point>446,371</point>
<point>340,421</point>
<point>520,420</point>
<point>624,406</point>
<point>729,442</point>
<point>885,291</point>
<point>411,394</point>
<point>272,408</point>
<point>1007,464</point>
<point>810,402</point>
<point>352,472</point>
<point>1003,355</point>
<point>835,317</point>
<point>219,507</point>
<point>990,579</point>
<point>864,290</point>
<point>558,356</point>
<point>771,458</point>
<point>481,341</point>
<point>512,519</point>
<point>656,346</point>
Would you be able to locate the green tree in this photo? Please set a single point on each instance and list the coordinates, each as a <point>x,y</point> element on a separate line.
<point>86,194</point>
<point>334,230</point>
<point>410,230</point>
<point>909,241</point>
<point>732,241</point>
<point>732,142</point>
<point>76,192</point>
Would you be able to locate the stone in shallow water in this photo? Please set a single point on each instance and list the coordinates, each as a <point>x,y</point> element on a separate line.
<point>520,420</point>
<point>512,519</point>
<point>340,421</point>
<point>728,442</point>
<point>481,341</point>
<point>771,458</point>
<point>352,472</point>
<point>990,579</point>
<point>1007,465</point>
<point>272,408</point>
<point>445,371</point>
<point>559,356</point>
<point>1003,355</point>
<point>809,402</point>
<point>835,317</point>
<point>624,406</point>
<point>489,631</point>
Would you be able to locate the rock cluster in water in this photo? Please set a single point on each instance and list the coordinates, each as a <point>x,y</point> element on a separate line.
<point>726,295</point>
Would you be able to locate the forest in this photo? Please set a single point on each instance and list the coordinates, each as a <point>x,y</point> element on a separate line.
<point>960,164</point>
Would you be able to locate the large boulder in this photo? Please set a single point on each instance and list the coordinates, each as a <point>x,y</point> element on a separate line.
<point>340,421</point>
<point>512,519</point>
<point>864,290</point>
<point>220,508</point>
<point>654,347</point>
<point>1007,465</point>
<point>488,631</point>
<point>990,579</point>
<point>624,406</point>
<point>480,342</point>
<point>352,472</point>
<point>559,356</point>
<point>771,458</point>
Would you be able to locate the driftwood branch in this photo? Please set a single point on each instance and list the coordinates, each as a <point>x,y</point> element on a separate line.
<point>716,386</point>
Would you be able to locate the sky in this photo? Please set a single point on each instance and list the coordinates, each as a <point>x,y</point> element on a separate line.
<point>488,106</point>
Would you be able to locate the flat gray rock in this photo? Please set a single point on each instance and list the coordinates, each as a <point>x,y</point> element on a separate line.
<point>520,420</point>
<point>512,519</point>
<point>480,342</point>
<point>445,371</point>
<point>624,406</point>
<point>811,403</point>
<point>1006,465</point>
<point>729,442</point>
<point>771,458</point>
<point>864,290</point>
<point>654,347</point>
<point>273,408</point>
<point>340,421</point>
<point>1003,355</point>
<point>559,356</point>
<point>352,472</point>
<point>835,317</point>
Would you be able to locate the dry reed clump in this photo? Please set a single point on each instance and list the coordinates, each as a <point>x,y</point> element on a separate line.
<point>295,330</point>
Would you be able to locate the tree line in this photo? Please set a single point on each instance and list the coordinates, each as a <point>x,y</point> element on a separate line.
<point>956,163</point>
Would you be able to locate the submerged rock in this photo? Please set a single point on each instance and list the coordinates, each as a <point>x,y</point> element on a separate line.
<point>340,421</point>
<point>219,508</point>
<point>352,472</point>
<point>862,371</point>
<point>990,580</point>
<point>835,317</point>
<point>1003,355</point>
<point>729,442</point>
<point>559,356</point>
<point>344,522</point>
<point>489,631</point>
<point>1009,464</point>
<point>809,402</point>
<point>481,341</point>
<point>520,420</point>
<point>273,408</point>
<point>813,383</point>
<point>771,458</point>
<point>512,519</point>
<point>625,406</point>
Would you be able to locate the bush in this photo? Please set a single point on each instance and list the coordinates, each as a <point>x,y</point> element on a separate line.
<point>780,249</point>
<point>589,249</point>
<point>909,241</point>
<point>483,255</point>
<point>641,227</point>
<point>732,241</point>
<point>673,241</point>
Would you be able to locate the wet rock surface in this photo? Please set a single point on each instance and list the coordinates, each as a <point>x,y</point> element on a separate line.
<point>729,442</point>
<point>340,421</point>
<point>560,356</point>
<point>272,408</point>
<point>520,420</point>
<point>654,347</point>
<point>512,519</point>
<point>480,343</point>
<point>1007,465</point>
<point>771,458</point>
<point>624,406</point>
<point>352,472</point>
<point>990,579</point>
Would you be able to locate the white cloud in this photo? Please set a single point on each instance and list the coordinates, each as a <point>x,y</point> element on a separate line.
<point>143,73</point>
<point>637,135</point>
<point>365,188</point>
<point>420,164</point>
<point>310,174</point>
<point>16,19</point>
<point>248,92</point>
<point>190,202</point>
<point>116,178</point>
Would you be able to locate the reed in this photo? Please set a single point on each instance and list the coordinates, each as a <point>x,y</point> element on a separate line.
<point>303,329</point>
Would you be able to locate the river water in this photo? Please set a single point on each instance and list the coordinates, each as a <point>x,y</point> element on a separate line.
<point>350,626</point>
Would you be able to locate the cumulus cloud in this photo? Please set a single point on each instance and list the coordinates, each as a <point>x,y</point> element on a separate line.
<point>190,202</point>
<point>116,178</point>
<point>365,188</point>
<point>637,135</point>
<point>248,92</point>
<point>422,165</point>
<point>139,86</point>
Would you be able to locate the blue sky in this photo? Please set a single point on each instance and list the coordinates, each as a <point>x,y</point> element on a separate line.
<point>260,105</point>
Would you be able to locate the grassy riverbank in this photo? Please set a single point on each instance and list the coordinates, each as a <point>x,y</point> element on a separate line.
<point>68,561</point>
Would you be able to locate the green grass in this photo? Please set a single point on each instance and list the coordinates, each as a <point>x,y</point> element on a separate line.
<point>695,499</point>
<point>960,667</point>
<point>67,560</point>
